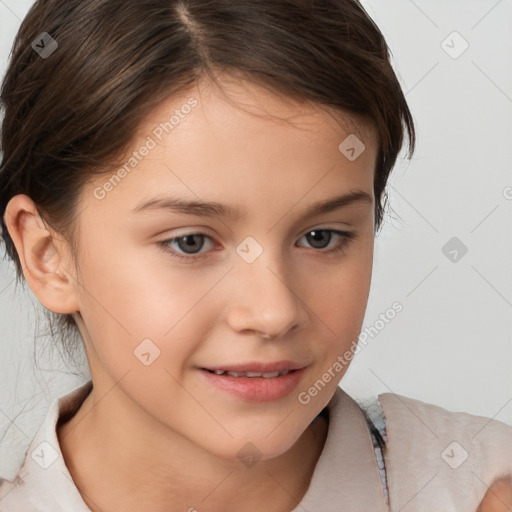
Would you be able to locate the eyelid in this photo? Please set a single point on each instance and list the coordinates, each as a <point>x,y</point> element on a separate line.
<point>200,230</point>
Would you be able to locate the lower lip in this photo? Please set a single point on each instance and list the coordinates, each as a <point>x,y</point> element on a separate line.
<point>257,389</point>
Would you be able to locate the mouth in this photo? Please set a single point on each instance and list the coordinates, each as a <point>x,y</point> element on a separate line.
<point>251,375</point>
<point>257,383</point>
<point>257,369</point>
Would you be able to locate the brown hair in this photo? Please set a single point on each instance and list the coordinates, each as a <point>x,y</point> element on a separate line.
<point>68,114</point>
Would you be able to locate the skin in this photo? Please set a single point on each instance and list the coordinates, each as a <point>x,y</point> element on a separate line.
<point>160,437</point>
<point>498,497</point>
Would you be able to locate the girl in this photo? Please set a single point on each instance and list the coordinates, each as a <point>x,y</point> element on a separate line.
<point>265,132</point>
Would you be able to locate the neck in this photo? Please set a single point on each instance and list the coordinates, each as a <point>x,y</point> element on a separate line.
<point>124,461</point>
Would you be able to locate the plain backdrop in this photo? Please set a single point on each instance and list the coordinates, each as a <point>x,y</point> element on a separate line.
<point>445,251</point>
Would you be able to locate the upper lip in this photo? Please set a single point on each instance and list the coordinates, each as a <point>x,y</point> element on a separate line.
<point>258,367</point>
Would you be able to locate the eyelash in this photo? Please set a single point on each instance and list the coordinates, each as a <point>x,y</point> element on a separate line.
<point>347,238</point>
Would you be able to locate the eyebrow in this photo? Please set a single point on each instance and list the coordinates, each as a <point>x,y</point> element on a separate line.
<point>214,209</point>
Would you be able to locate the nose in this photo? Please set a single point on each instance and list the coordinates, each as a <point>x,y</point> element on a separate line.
<point>264,301</point>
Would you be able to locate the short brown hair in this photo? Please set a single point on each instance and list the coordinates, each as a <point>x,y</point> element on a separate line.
<point>67,115</point>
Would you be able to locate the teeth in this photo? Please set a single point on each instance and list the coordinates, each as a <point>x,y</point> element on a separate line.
<point>268,375</point>
<point>236,374</point>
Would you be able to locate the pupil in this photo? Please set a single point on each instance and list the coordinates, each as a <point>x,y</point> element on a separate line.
<point>317,236</point>
<point>190,246</point>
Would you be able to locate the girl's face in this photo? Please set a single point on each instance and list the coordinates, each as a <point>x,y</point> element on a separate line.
<point>166,291</point>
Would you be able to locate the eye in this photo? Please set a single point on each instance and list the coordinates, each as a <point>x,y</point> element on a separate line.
<point>321,238</point>
<point>187,247</point>
<point>188,243</point>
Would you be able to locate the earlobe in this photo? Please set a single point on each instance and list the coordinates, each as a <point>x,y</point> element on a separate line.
<point>44,258</point>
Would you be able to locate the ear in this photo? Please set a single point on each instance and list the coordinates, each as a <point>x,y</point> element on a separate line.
<point>44,256</point>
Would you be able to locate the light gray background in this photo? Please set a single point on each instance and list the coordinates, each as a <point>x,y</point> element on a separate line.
<point>452,344</point>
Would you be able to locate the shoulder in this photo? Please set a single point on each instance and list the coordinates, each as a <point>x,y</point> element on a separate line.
<point>43,482</point>
<point>436,420</point>
<point>453,457</point>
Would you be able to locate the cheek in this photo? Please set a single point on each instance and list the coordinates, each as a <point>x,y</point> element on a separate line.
<point>341,291</point>
<point>125,300</point>
<point>337,299</point>
<point>133,295</point>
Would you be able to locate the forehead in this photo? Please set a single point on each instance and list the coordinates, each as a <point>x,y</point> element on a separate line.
<point>232,102</point>
<point>246,143</point>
